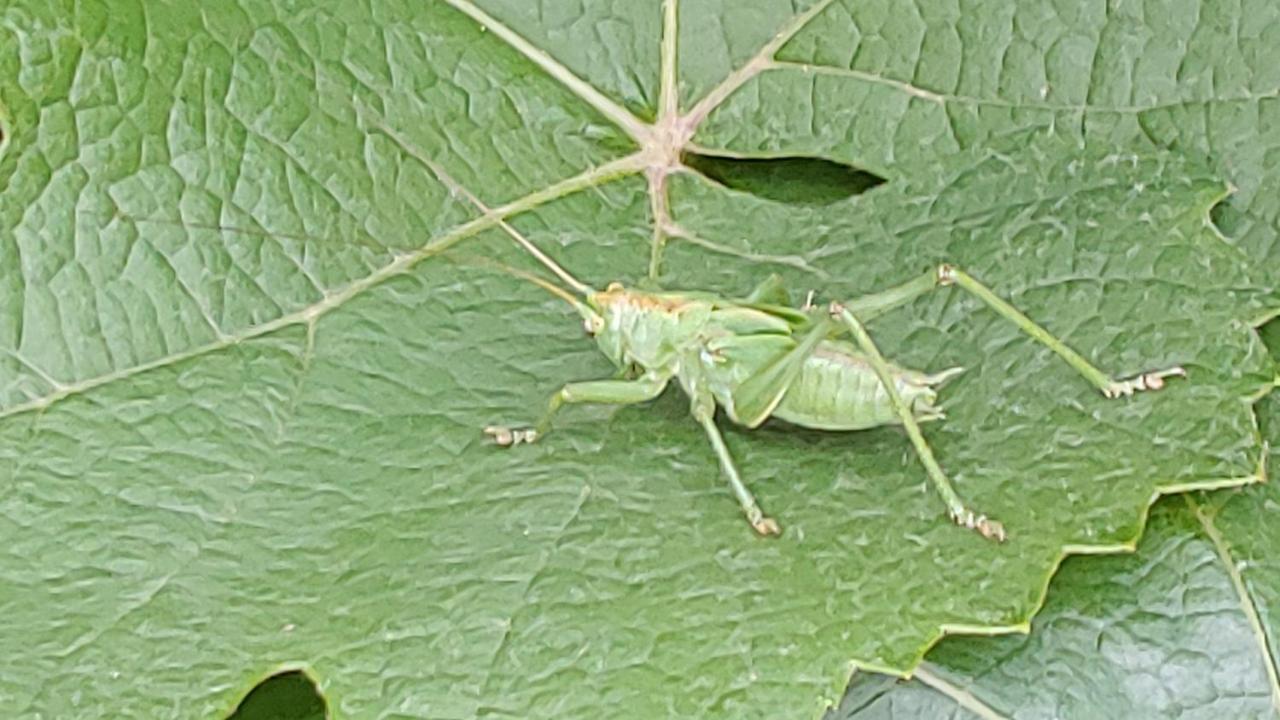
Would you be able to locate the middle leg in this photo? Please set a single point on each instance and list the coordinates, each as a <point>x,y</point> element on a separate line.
<point>763,524</point>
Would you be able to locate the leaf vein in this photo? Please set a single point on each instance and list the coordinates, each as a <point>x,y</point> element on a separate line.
<point>758,63</point>
<point>1247,604</point>
<point>616,113</point>
<point>943,98</point>
<point>962,697</point>
<point>401,264</point>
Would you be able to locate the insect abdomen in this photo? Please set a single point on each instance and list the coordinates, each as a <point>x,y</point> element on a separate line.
<point>838,390</point>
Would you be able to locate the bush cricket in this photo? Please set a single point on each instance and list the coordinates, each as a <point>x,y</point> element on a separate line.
<point>756,358</point>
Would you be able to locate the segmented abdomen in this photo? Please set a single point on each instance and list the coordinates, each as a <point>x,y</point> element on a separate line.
<point>838,390</point>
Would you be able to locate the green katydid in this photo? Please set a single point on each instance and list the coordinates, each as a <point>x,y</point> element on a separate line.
<point>758,358</point>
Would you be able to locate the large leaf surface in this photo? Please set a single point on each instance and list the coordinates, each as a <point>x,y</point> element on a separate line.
<point>1187,81</point>
<point>876,83</point>
<point>243,387</point>
<point>1156,635</point>
<point>1186,628</point>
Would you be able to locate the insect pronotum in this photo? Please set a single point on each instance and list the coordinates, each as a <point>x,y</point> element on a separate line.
<point>758,358</point>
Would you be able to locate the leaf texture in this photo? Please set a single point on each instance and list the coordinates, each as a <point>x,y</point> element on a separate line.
<point>247,356</point>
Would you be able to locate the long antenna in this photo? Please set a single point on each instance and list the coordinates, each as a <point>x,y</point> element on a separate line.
<point>457,189</point>
<point>543,258</point>
<point>523,275</point>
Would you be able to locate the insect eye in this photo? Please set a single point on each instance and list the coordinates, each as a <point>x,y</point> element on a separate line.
<point>592,325</point>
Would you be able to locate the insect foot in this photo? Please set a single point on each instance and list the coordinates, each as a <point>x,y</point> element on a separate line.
<point>1153,380</point>
<point>508,437</point>
<point>985,526</point>
<point>763,524</point>
<point>767,526</point>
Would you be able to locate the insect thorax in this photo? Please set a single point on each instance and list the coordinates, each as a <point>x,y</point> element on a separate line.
<point>652,330</point>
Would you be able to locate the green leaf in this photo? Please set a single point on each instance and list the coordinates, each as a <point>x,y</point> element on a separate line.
<point>877,86</point>
<point>1159,634</point>
<point>1203,90</point>
<point>1186,628</point>
<point>243,378</point>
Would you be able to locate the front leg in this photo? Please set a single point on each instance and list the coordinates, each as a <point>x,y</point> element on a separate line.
<point>605,392</point>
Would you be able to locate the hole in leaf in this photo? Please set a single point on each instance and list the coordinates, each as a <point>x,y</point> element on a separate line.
<point>1270,332</point>
<point>796,180</point>
<point>1225,217</point>
<point>287,696</point>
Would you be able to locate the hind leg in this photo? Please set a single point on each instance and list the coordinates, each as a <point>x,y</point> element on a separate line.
<point>960,513</point>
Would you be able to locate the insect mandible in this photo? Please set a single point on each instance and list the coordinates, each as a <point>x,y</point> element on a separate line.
<point>757,358</point>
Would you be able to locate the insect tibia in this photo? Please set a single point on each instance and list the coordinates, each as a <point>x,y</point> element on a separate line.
<point>1153,380</point>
